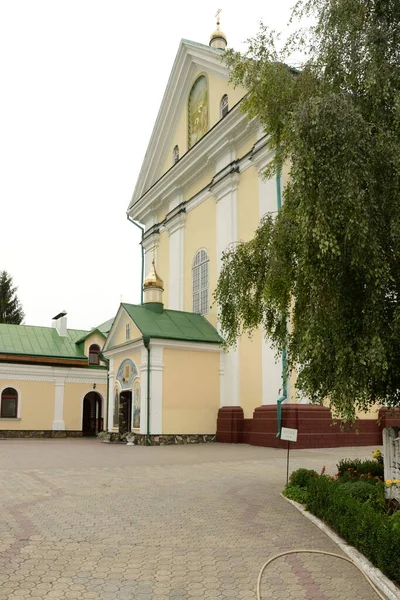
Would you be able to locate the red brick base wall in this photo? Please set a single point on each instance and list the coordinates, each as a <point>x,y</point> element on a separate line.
<point>314,424</point>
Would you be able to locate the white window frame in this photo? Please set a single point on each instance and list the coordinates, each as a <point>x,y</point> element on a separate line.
<point>200,282</point>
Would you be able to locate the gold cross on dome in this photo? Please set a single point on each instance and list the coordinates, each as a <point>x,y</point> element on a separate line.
<point>217,14</point>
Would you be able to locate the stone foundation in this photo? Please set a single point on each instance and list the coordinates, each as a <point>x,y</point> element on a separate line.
<point>316,428</point>
<point>40,434</point>
<point>163,440</point>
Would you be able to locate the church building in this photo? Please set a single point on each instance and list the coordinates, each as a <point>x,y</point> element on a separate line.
<point>200,190</point>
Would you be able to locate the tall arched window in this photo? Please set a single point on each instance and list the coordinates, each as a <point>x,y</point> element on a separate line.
<point>197,111</point>
<point>94,358</point>
<point>224,106</point>
<point>9,404</point>
<point>200,282</point>
<point>175,154</point>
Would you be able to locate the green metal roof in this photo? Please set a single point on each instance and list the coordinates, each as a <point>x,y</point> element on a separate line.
<point>173,324</point>
<point>40,341</point>
<point>105,327</point>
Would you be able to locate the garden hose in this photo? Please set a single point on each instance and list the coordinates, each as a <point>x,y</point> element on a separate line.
<point>265,565</point>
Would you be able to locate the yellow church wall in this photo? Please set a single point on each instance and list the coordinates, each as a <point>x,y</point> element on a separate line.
<point>36,400</point>
<point>247,204</point>
<point>250,374</point>
<point>190,391</point>
<point>119,335</point>
<point>74,394</point>
<point>201,232</point>
<point>217,87</point>
<point>162,263</point>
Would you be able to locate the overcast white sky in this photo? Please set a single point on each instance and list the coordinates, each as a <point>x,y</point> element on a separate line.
<point>81,84</point>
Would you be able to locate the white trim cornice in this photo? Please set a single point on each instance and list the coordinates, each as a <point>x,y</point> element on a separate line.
<point>19,372</point>
<point>175,222</point>
<point>126,347</point>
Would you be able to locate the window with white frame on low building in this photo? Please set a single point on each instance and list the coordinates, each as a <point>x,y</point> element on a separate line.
<point>127,331</point>
<point>9,404</point>
<point>200,282</point>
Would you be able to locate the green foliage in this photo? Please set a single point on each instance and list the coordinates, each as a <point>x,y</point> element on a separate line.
<point>10,308</point>
<point>365,492</point>
<point>362,467</point>
<point>296,493</point>
<point>376,535</point>
<point>331,258</point>
<point>302,477</point>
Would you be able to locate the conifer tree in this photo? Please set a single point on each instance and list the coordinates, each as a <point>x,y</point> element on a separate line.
<point>10,307</point>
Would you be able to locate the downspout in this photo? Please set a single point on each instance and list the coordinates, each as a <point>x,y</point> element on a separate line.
<point>284,349</point>
<point>146,341</point>
<point>142,230</point>
<point>107,361</point>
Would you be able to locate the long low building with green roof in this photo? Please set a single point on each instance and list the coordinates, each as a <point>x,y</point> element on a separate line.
<point>53,381</point>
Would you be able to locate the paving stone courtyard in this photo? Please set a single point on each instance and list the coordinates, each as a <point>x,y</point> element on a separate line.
<point>83,519</point>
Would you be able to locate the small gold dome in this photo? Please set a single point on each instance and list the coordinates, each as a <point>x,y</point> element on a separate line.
<point>218,38</point>
<point>153,280</point>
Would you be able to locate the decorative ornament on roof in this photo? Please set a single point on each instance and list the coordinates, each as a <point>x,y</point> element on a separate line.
<point>153,280</point>
<point>218,38</point>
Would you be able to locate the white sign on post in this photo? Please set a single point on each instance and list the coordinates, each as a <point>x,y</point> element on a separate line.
<point>289,434</point>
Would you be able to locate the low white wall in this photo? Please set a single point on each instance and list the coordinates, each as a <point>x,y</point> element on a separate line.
<point>391,455</point>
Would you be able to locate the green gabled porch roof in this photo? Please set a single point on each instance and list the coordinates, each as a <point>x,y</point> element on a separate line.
<point>173,325</point>
<point>40,341</point>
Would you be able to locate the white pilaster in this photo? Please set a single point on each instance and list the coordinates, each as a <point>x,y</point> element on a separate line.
<point>156,389</point>
<point>176,232</point>
<point>224,190</point>
<point>58,422</point>
<point>143,391</point>
<point>110,395</point>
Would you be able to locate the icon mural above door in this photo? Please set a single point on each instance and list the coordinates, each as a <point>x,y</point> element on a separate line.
<point>127,372</point>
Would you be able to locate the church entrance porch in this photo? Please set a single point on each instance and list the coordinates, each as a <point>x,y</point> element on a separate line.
<point>125,411</point>
<point>92,416</point>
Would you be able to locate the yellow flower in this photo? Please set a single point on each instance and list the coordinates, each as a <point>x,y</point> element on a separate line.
<point>389,482</point>
<point>396,480</point>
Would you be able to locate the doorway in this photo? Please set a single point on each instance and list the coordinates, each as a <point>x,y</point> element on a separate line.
<point>92,416</point>
<point>125,411</point>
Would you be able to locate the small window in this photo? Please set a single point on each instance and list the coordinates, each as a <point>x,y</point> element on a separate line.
<point>176,154</point>
<point>9,404</point>
<point>224,106</point>
<point>94,358</point>
<point>128,332</point>
<point>200,282</point>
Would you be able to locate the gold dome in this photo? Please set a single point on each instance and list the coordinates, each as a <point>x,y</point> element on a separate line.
<point>218,38</point>
<point>153,280</point>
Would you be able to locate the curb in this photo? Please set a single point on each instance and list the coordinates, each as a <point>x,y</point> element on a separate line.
<point>384,584</point>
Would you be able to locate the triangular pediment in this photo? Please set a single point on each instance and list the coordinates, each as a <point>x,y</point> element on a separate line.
<point>191,59</point>
<point>117,336</point>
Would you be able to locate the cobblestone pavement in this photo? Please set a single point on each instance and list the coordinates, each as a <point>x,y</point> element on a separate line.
<point>81,519</point>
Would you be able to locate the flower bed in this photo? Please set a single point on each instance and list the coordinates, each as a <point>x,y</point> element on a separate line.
<point>358,505</point>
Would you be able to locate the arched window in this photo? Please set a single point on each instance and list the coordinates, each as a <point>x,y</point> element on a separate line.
<point>200,282</point>
<point>197,111</point>
<point>224,106</point>
<point>94,358</point>
<point>175,154</point>
<point>9,404</point>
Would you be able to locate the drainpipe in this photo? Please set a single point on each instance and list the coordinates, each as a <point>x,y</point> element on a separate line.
<point>107,361</point>
<point>146,341</point>
<point>142,230</point>
<point>284,349</point>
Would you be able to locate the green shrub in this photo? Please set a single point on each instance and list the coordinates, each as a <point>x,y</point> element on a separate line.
<point>302,477</point>
<point>371,532</point>
<point>363,467</point>
<point>296,493</point>
<point>363,491</point>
